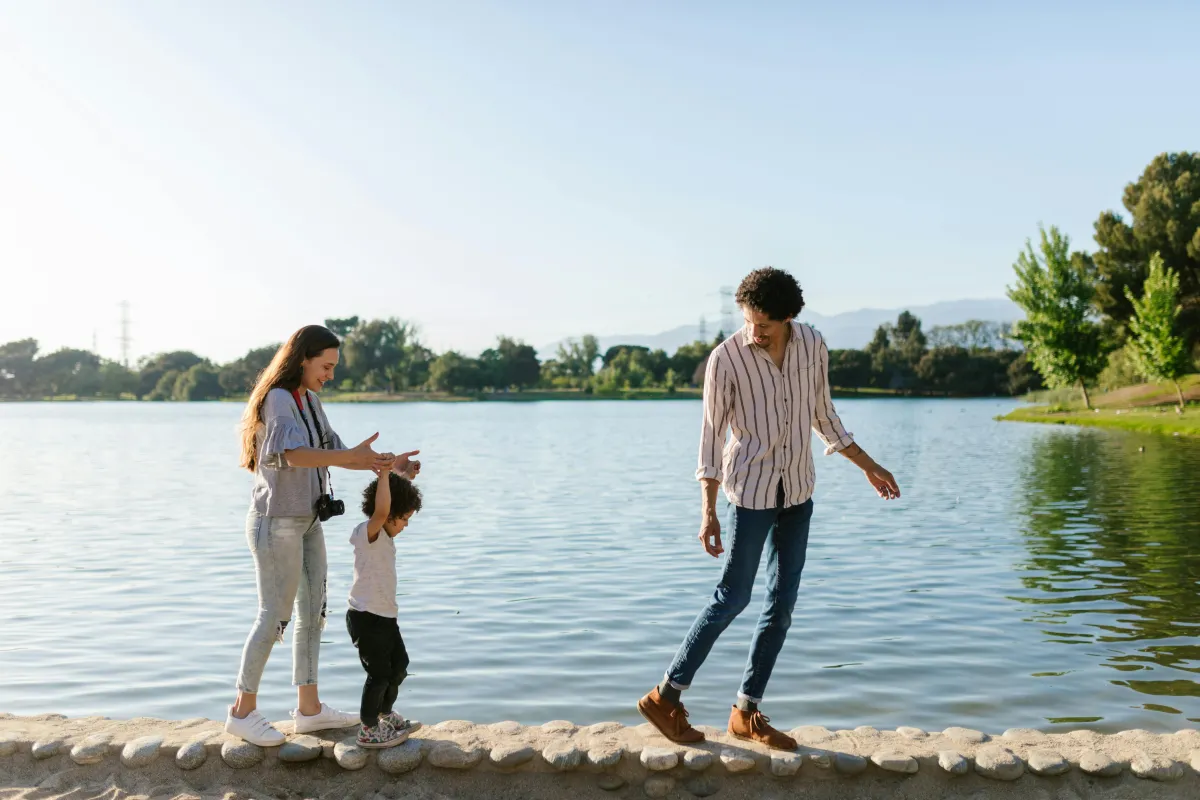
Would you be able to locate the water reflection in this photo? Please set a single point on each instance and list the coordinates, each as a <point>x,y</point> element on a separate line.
<point>1112,525</point>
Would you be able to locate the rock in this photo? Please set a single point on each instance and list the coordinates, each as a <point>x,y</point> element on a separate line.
<point>697,760</point>
<point>812,733</point>
<point>8,744</point>
<point>912,733</point>
<point>46,749</point>
<point>605,755</point>
<point>507,728</point>
<point>1047,763</point>
<point>1023,733</point>
<point>965,735</point>
<point>784,765</point>
<point>64,781</point>
<point>141,752</point>
<point>1156,768</point>
<point>658,786</point>
<point>454,726</point>
<point>1194,760</point>
<point>562,756</point>
<point>736,762</point>
<point>560,726</point>
<point>998,763</point>
<point>91,750</point>
<point>451,755</point>
<point>300,749</point>
<point>193,754</point>
<point>849,764</point>
<point>822,758</point>
<point>866,730</point>
<point>401,758</point>
<point>610,782</point>
<point>1096,763</point>
<point>241,755</point>
<point>894,761</point>
<point>659,759</point>
<point>512,755</point>
<point>350,756</point>
<point>702,786</point>
<point>601,728</point>
<point>953,762</point>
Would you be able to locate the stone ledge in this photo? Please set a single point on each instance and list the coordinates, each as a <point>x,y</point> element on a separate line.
<point>605,754</point>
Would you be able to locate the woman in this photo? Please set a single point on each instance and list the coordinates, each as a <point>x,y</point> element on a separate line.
<point>288,445</point>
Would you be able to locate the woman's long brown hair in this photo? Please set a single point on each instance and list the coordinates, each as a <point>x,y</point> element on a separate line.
<point>284,372</point>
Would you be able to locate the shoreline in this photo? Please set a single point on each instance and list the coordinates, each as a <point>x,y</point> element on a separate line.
<point>1157,420</point>
<point>52,756</point>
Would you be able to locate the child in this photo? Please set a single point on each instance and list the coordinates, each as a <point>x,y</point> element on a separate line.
<point>389,502</point>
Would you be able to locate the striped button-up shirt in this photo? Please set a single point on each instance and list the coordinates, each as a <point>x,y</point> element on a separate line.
<point>771,412</point>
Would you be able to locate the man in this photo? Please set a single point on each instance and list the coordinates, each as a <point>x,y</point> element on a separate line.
<point>769,382</point>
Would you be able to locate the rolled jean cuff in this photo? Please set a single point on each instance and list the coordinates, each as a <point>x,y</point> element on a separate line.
<point>675,685</point>
<point>744,696</point>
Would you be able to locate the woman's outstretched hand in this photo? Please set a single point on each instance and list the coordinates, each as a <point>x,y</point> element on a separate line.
<point>364,456</point>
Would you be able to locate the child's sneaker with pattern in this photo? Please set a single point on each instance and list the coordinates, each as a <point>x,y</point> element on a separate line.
<point>380,736</point>
<point>400,723</point>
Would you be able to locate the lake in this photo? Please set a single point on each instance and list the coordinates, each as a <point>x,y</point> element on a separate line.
<point>1030,576</point>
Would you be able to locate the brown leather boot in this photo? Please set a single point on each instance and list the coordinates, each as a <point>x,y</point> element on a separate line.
<point>752,726</point>
<point>671,719</point>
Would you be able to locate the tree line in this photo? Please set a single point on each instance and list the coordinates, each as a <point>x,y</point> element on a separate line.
<point>1130,311</point>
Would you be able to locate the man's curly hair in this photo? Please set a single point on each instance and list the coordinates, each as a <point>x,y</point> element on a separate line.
<point>405,496</point>
<point>772,292</point>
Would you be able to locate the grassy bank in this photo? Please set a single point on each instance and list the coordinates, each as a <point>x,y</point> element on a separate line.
<point>1147,408</point>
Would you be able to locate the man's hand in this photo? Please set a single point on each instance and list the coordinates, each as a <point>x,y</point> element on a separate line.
<point>710,536</point>
<point>882,480</point>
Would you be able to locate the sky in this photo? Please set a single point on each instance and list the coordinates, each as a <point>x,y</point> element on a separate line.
<point>234,170</point>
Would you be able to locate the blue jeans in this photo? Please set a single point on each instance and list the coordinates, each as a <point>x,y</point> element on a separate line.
<point>784,532</point>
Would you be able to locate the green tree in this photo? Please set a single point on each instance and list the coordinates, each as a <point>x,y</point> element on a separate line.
<point>152,368</point>
<point>688,358</point>
<point>1157,350</point>
<point>1022,377</point>
<point>454,372</point>
<point>200,382</point>
<point>17,368</point>
<point>165,388</point>
<point>238,377</point>
<point>117,380</point>
<point>576,360</point>
<point>849,369</point>
<point>376,353</point>
<point>341,328</point>
<point>1164,217</point>
<point>974,334</point>
<point>510,363</point>
<point>1056,292</point>
<point>68,372</point>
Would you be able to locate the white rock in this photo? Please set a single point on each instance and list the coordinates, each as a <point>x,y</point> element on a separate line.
<point>812,733</point>
<point>784,764</point>
<point>349,756</point>
<point>508,756</point>
<point>1195,760</point>
<point>1156,768</point>
<point>141,751</point>
<point>601,728</point>
<point>1047,763</point>
<point>300,749</point>
<point>736,762</point>
<point>605,754</point>
<point>697,760</point>
<point>241,755</point>
<point>46,749</point>
<point>401,758</point>
<point>866,730</point>
<point>506,728</point>
<point>1096,763</point>
<point>953,762</point>
<point>91,750</point>
<point>894,761</point>
<point>911,733</point>
<point>822,758</point>
<point>562,756</point>
<point>8,744</point>
<point>966,735</point>
<point>1023,733</point>
<point>450,755</point>
<point>659,759</point>
<point>998,763</point>
<point>849,763</point>
<point>560,726</point>
<point>453,726</point>
<point>193,754</point>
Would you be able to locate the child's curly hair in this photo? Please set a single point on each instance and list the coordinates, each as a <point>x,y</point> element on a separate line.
<point>405,496</point>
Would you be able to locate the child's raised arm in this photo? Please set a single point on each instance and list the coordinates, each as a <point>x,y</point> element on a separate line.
<point>383,505</point>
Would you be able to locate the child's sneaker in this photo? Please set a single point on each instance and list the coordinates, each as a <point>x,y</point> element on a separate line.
<point>382,735</point>
<point>400,723</point>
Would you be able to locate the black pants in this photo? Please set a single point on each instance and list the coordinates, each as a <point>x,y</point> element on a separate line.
<point>381,651</point>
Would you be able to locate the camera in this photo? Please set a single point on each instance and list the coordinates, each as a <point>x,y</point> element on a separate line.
<point>329,507</point>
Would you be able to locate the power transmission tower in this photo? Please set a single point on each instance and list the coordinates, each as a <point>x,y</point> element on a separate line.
<point>703,329</point>
<point>727,310</point>
<point>126,340</point>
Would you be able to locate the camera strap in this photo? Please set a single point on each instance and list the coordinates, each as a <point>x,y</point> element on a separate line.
<point>322,472</point>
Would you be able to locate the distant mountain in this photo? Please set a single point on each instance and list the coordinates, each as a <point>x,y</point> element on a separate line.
<point>851,329</point>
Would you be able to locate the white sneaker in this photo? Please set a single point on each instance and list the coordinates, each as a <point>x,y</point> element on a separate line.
<point>326,719</point>
<point>254,728</point>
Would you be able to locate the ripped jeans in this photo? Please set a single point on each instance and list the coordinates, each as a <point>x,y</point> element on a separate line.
<point>289,564</point>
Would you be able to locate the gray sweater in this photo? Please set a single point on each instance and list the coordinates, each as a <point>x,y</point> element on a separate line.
<point>281,490</point>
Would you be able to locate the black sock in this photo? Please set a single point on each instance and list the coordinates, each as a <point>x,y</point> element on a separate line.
<point>668,692</point>
<point>748,706</point>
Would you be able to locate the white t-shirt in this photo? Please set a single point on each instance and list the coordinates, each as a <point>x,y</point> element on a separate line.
<point>374,586</point>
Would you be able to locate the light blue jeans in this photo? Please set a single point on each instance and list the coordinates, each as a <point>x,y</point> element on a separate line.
<point>290,567</point>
